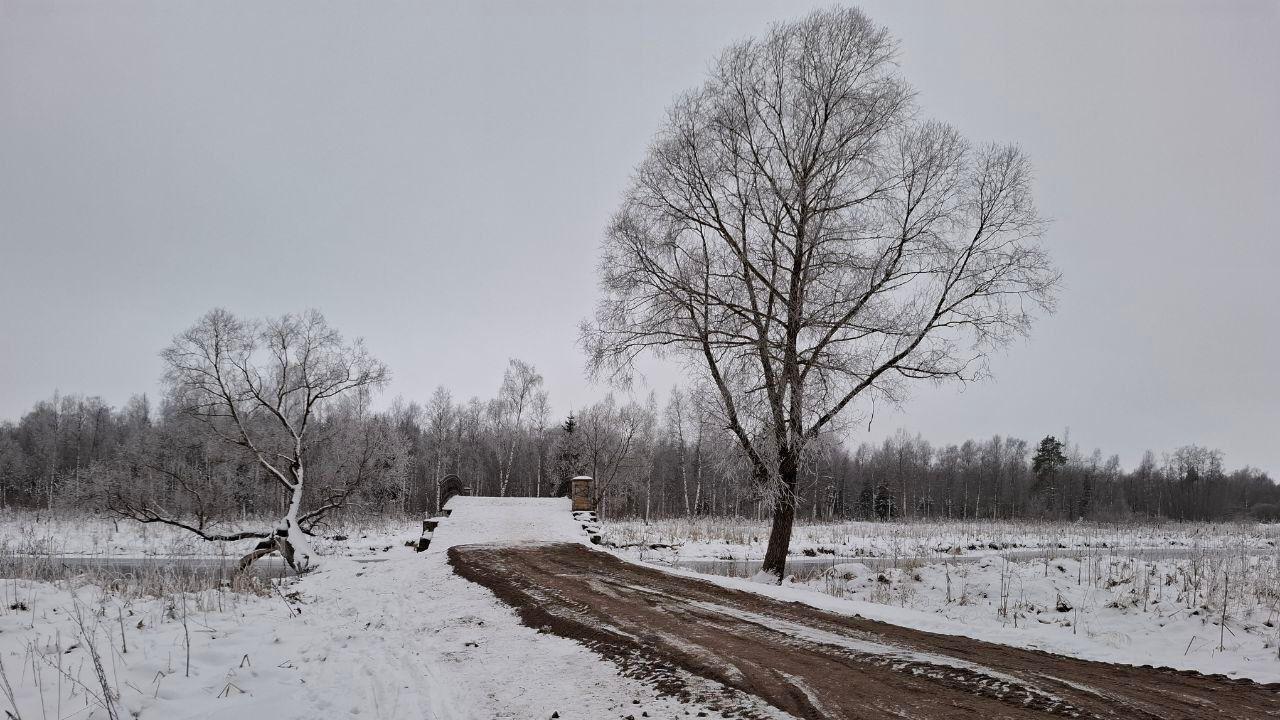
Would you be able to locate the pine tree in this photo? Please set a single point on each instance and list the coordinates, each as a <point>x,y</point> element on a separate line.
<point>866,500</point>
<point>568,452</point>
<point>1045,465</point>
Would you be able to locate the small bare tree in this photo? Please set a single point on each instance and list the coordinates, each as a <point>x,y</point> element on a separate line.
<point>799,234</point>
<point>260,387</point>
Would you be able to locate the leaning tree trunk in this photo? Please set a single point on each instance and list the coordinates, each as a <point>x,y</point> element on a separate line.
<point>294,545</point>
<point>784,515</point>
<point>289,539</point>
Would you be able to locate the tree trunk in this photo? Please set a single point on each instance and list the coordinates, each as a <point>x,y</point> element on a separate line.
<point>262,549</point>
<point>293,543</point>
<point>648,493</point>
<point>684,480</point>
<point>436,507</point>
<point>784,515</point>
<point>697,477</point>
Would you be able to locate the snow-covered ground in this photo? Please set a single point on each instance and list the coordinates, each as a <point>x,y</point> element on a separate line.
<point>1142,595</point>
<point>380,631</point>
<point>393,636</point>
<point>506,520</point>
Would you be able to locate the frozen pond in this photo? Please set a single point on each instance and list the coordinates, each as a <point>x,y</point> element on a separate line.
<point>804,567</point>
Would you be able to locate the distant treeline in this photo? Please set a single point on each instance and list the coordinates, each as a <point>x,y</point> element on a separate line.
<point>79,452</point>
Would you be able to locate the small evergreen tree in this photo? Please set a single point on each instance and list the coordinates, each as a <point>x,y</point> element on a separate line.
<point>1046,463</point>
<point>1049,457</point>
<point>866,501</point>
<point>567,462</point>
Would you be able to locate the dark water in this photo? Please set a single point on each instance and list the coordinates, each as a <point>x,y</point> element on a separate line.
<point>207,571</point>
<point>163,572</point>
<point>271,566</point>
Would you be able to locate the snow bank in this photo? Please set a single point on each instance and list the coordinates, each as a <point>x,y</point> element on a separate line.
<point>506,521</point>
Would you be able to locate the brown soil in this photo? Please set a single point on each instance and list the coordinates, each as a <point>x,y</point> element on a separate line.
<point>741,653</point>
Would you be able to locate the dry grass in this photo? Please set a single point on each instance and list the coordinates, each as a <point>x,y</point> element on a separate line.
<point>941,537</point>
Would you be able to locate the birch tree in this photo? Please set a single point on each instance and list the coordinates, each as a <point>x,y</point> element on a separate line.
<point>803,238</point>
<point>441,415</point>
<point>260,386</point>
<point>509,414</point>
<point>540,427</point>
<point>677,417</point>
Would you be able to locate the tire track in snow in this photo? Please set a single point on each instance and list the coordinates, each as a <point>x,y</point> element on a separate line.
<point>694,639</point>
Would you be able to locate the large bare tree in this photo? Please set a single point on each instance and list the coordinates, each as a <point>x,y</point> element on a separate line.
<point>261,387</point>
<point>800,234</point>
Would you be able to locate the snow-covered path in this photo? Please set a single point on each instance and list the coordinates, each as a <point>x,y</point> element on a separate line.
<point>506,521</point>
<point>409,639</point>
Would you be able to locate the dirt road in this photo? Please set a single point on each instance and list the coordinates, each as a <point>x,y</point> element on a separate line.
<point>742,653</point>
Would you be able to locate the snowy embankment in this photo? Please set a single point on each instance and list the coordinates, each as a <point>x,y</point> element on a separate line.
<point>508,521</point>
<point>394,636</point>
<point>1096,592</point>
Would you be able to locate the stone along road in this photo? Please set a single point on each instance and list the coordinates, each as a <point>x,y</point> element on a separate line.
<point>753,656</point>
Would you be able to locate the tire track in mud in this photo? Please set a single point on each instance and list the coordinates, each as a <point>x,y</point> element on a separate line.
<point>751,655</point>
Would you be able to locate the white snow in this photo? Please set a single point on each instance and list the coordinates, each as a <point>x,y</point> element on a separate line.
<point>506,521</point>
<point>380,631</point>
<point>394,637</point>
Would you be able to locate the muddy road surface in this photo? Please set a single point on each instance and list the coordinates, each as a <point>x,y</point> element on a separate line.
<point>751,656</point>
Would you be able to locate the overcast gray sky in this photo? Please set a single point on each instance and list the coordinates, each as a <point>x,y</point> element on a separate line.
<point>435,177</point>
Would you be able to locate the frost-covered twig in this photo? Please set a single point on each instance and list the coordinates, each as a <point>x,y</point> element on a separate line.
<point>109,694</point>
<point>16,714</point>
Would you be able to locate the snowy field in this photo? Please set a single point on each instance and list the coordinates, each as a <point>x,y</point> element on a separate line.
<point>736,538</point>
<point>1202,597</point>
<point>384,634</point>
